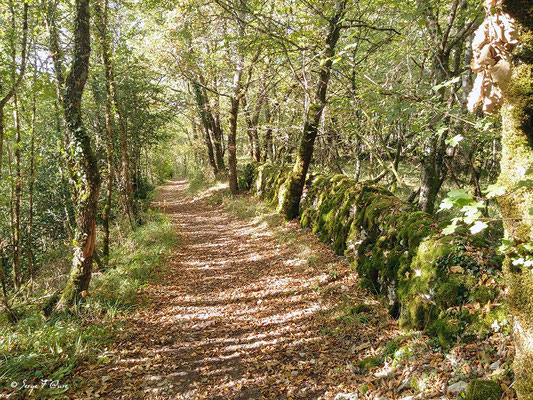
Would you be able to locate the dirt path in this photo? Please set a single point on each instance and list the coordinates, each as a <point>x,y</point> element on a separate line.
<point>236,315</point>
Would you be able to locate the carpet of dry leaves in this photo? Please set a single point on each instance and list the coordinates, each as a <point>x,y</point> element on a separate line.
<point>240,314</point>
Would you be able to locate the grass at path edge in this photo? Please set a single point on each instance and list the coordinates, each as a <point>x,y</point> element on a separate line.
<point>36,348</point>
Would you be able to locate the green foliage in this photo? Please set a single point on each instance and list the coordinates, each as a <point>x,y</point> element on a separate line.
<point>36,348</point>
<point>198,180</point>
<point>246,177</point>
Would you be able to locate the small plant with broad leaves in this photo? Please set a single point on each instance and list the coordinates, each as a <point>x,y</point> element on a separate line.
<point>472,216</point>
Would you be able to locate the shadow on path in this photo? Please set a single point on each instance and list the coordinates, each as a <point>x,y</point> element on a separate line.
<point>235,315</point>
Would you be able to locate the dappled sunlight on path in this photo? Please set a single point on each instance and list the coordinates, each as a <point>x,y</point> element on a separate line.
<point>235,315</point>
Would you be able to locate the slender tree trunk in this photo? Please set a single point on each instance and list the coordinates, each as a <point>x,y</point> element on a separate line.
<point>17,245</point>
<point>268,150</point>
<point>516,204</point>
<point>17,200</point>
<point>232,137</point>
<point>289,203</point>
<point>102,10</point>
<point>234,112</point>
<point>31,182</point>
<point>218,133</point>
<point>12,212</point>
<point>431,172</point>
<point>87,168</point>
<point>17,80</point>
<point>252,120</point>
<point>131,209</point>
<point>249,127</point>
<point>2,134</point>
<point>208,125</point>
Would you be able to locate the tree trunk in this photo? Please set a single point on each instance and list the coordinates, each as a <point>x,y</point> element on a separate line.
<point>86,162</point>
<point>207,124</point>
<point>289,202</point>
<point>127,190</point>
<point>516,204</point>
<point>268,150</point>
<point>252,121</point>
<point>431,172</point>
<point>17,245</point>
<point>17,80</point>
<point>218,133</point>
<point>102,10</point>
<point>234,110</point>
<point>31,180</point>
<point>2,134</point>
<point>232,136</point>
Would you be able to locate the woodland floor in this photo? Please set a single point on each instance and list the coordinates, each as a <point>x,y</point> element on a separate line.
<point>239,313</point>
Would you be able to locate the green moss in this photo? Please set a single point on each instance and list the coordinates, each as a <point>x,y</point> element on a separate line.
<point>483,294</point>
<point>418,314</point>
<point>370,362</point>
<point>445,329</point>
<point>496,319</point>
<point>450,293</point>
<point>480,389</point>
<point>401,354</point>
<point>397,250</point>
<point>364,388</point>
<point>360,308</point>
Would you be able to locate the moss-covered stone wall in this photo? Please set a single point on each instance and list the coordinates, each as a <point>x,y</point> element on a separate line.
<point>398,251</point>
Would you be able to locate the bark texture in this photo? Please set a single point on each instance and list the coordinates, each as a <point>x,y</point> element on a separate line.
<point>88,177</point>
<point>102,11</point>
<point>517,150</point>
<point>292,191</point>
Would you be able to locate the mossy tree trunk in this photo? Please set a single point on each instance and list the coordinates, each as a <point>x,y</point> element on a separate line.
<point>289,202</point>
<point>102,10</point>
<point>517,149</point>
<point>88,178</point>
<point>268,150</point>
<point>207,125</point>
<point>235,102</point>
<point>232,140</point>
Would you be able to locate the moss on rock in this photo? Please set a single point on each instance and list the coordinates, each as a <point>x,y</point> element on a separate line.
<point>479,389</point>
<point>398,251</point>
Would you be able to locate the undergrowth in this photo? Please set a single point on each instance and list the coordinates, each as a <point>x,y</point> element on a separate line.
<point>38,354</point>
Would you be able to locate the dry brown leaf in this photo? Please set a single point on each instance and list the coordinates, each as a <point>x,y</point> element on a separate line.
<point>481,36</point>
<point>492,44</point>
<point>490,3</point>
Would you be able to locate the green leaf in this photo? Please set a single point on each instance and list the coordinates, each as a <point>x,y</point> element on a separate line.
<point>442,129</point>
<point>454,141</point>
<point>458,194</point>
<point>460,197</point>
<point>450,229</point>
<point>446,204</point>
<point>527,184</point>
<point>447,83</point>
<point>494,191</point>
<point>478,227</point>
